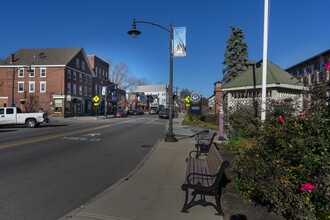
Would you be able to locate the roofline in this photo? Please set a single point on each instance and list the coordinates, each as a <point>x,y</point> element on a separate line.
<point>34,65</point>
<point>87,61</point>
<point>281,85</point>
<point>311,58</point>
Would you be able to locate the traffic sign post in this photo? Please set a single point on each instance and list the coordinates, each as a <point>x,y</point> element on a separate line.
<point>196,104</point>
<point>96,100</point>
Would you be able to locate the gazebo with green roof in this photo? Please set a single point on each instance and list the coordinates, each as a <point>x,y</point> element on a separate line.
<point>247,87</point>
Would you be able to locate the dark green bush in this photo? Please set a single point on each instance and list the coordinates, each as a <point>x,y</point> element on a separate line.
<point>243,122</point>
<point>284,164</point>
<point>288,152</point>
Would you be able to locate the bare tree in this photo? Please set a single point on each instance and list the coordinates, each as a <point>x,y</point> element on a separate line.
<point>32,103</point>
<point>122,75</point>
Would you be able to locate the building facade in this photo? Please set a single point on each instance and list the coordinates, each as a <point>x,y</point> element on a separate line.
<point>60,81</point>
<point>247,89</point>
<point>154,94</point>
<point>311,70</point>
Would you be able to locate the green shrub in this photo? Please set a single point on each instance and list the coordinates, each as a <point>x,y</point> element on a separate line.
<point>287,153</point>
<point>200,121</point>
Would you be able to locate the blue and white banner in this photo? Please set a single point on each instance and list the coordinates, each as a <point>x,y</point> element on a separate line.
<point>179,44</point>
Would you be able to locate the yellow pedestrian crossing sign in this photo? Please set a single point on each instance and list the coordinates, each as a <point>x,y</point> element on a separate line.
<point>188,99</point>
<point>96,98</point>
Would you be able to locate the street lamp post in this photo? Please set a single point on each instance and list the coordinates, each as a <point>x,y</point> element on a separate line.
<point>170,137</point>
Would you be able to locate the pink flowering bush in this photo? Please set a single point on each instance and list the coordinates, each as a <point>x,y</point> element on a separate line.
<point>327,66</point>
<point>288,168</point>
<point>281,119</point>
<point>307,187</point>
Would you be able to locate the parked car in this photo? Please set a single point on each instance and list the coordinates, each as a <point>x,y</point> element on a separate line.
<point>138,111</point>
<point>164,113</point>
<point>153,110</point>
<point>129,112</point>
<point>121,113</point>
<point>14,116</point>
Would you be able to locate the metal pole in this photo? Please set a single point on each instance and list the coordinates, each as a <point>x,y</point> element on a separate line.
<point>170,137</point>
<point>13,89</point>
<point>105,101</point>
<point>264,64</point>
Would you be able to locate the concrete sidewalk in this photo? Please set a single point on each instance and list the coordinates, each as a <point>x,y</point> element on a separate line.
<point>153,191</point>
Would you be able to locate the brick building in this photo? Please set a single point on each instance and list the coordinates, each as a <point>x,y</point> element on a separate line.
<point>61,81</point>
<point>311,70</point>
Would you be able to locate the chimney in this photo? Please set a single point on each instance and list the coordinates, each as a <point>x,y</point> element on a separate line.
<point>12,58</point>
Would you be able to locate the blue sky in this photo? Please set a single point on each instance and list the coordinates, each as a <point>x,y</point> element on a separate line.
<point>298,29</point>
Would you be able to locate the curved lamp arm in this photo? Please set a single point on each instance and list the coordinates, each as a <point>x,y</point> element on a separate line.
<point>147,22</point>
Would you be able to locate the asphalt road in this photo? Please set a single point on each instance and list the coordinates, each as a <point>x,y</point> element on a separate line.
<point>48,171</point>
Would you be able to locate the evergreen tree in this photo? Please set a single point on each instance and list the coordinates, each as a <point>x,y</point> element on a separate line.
<point>236,55</point>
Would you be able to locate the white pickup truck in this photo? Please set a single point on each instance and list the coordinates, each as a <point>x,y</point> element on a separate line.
<point>14,116</point>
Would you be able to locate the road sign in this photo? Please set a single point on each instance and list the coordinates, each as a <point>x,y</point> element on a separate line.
<point>188,99</point>
<point>96,98</point>
<point>187,105</point>
<point>96,104</point>
<point>195,97</point>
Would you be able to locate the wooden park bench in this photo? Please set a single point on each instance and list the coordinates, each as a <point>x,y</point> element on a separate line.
<point>205,177</point>
<point>204,141</point>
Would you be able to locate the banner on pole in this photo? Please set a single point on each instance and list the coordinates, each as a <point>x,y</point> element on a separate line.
<point>179,43</point>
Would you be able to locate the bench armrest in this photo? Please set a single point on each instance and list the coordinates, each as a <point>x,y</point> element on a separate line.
<point>198,176</point>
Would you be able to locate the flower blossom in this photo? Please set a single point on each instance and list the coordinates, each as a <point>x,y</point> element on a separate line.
<point>281,119</point>
<point>327,66</point>
<point>307,187</point>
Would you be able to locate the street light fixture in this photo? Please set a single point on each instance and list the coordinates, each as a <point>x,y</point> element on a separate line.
<point>170,137</point>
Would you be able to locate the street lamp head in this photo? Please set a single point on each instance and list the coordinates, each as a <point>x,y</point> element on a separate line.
<point>134,33</point>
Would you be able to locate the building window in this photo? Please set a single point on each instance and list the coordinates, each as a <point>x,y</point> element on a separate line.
<point>69,88</point>
<point>100,89</point>
<point>90,80</point>
<point>42,72</point>
<point>90,92</point>
<point>320,67</point>
<point>80,90</point>
<point>80,77</point>
<point>20,72</point>
<point>85,91</point>
<point>20,87</point>
<point>77,63</point>
<point>74,89</point>
<point>86,79</point>
<point>96,71</point>
<point>42,87</point>
<point>31,86</point>
<point>304,71</point>
<point>74,75</point>
<point>83,65</point>
<point>69,74</point>
<point>32,74</point>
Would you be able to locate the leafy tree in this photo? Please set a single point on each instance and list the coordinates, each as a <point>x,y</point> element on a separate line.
<point>184,93</point>
<point>236,55</point>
